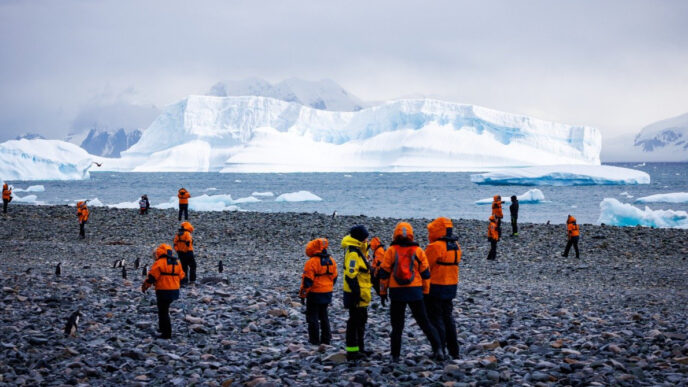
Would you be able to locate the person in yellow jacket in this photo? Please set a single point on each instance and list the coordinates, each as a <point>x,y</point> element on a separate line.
<point>317,283</point>
<point>402,273</point>
<point>357,286</point>
<point>572,234</point>
<point>184,197</point>
<point>183,245</point>
<point>6,197</point>
<point>166,274</point>
<point>492,237</point>
<point>444,255</point>
<point>82,213</point>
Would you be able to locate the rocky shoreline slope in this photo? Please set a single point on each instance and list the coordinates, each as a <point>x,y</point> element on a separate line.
<point>616,316</point>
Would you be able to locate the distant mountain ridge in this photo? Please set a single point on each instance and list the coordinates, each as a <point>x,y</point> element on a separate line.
<point>105,143</point>
<point>668,136</point>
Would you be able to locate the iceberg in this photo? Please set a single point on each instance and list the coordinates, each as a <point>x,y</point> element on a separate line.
<point>28,199</point>
<point>563,175</point>
<point>263,194</point>
<point>615,213</point>
<point>32,188</point>
<point>39,159</point>
<point>300,196</point>
<point>529,197</point>
<point>674,197</point>
<point>203,203</point>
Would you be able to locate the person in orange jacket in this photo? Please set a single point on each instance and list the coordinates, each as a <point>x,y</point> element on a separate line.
<point>493,237</point>
<point>183,196</point>
<point>317,282</point>
<point>444,255</point>
<point>403,269</point>
<point>166,274</point>
<point>497,212</point>
<point>183,245</point>
<point>83,213</point>
<point>378,253</point>
<point>573,234</point>
<point>6,197</point>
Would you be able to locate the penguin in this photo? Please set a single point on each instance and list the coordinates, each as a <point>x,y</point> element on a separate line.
<point>122,262</point>
<point>548,222</point>
<point>124,272</point>
<point>334,214</point>
<point>137,262</point>
<point>116,264</point>
<point>58,269</point>
<point>219,267</point>
<point>28,271</point>
<point>143,271</point>
<point>73,323</point>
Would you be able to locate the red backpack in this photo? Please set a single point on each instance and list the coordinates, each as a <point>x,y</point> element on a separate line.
<point>404,258</point>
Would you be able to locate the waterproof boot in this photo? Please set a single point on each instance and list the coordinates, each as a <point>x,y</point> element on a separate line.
<point>354,356</point>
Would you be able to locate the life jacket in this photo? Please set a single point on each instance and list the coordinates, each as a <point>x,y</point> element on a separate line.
<point>357,270</point>
<point>183,241</point>
<point>573,229</point>
<point>166,273</point>
<point>6,192</point>
<point>183,196</point>
<point>319,275</point>
<point>82,211</point>
<point>444,253</point>
<point>497,207</point>
<point>378,254</point>
<point>492,229</point>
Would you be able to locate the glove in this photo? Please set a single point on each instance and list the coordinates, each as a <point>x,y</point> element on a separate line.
<point>383,299</point>
<point>145,286</point>
<point>303,301</point>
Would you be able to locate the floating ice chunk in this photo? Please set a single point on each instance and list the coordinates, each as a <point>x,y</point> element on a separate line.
<point>203,203</point>
<point>30,199</point>
<point>300,196</point>
<point>125,205</point>
<point>529,197</point>
<point>563,175</point>
<point>674,197</point>
<point>249,199</point>
<point>210,189</point>
<point>95,202</point>
<point>43,160</point>
<point>626,194</point>
<point>32,188</point>
<point>615,213</point>
<point>264,194</point>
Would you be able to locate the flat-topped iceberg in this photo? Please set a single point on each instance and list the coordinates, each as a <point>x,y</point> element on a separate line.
<point>40,159</point>
<point>300,196</point>
<point>674,197</point>
<point>563,175</point>
<point>615,213</point>
<point>529,197</point>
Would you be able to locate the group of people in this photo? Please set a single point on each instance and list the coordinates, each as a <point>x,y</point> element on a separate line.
<point>425,280</point>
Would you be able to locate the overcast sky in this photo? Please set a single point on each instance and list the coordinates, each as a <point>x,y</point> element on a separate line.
<point>616,65</point>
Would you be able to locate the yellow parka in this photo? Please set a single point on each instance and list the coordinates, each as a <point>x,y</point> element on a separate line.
<point>357,271</point>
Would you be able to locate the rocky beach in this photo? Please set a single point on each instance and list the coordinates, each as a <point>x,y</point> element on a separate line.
<point>616,316</point>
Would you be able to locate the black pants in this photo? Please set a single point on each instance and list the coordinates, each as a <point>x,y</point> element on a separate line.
<point>4,205</point>
<point>514,226</point>
<point>572,241</point>
<point>188,262</point>
<point>442,319</point>
<point>397,312</point>
<point>82,229</point>
<point>499,227</point>
<point>164,317</point>
<point>493,249</point>
<point>184,209</point>
<point>355,329</point>
<point>318,322</point>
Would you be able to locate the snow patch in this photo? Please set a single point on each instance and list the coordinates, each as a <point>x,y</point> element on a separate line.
<point>300,196</point>
<point>615,213</point>
<point>674,197</point>
<point>563,175</point>
<point>532,196</point>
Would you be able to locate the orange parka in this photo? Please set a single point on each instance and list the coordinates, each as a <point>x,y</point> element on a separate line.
<point>403,245</point>
<point>6,192</point>
<point>82,212</point>
<point>378,254</point>
<point>319,273</point>
<point>183,196</point>
<point>572,229</point>
<point>444,255</point>
<point>166,273</point>
<point>492,229</point>
<point>497,207</point>
<point>183,242</point>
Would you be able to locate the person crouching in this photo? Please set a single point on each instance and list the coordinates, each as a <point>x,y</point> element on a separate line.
<point>317,282</point>
<point>166,274</point>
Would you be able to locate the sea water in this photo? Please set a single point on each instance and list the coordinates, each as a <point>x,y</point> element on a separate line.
<point>398,195</point>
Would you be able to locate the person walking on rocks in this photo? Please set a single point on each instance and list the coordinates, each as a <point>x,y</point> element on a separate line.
<point>83,213</point>
<point>573,234</point>
<point>6,197</point>
<point>513,209</point>
<point>184,197</point>
<point>183,245</point>
<point>497,212</point>
<point>317,282</point>
<point>357,286</point>
<point>493,238</point>
<point>378,253</point>
<point>402,272</point>
<point>144,205</point>
<point>166,275</point>
<point>444,255</point>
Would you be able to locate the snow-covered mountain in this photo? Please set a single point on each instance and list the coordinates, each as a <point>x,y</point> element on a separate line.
<point>30,136</point>
<point>666,140</point>
<point>324,94</point>
<point>105,143</point>
<point>259,134</point>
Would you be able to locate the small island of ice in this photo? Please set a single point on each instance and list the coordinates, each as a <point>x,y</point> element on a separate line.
<point>529,197</point>
<point>615,213</point>
<point>563,175</point>
<point>674,197</point>
<point>300,196</point>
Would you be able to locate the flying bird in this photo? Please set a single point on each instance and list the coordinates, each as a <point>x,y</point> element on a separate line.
<point>97,164</point>
<point>73,323</point>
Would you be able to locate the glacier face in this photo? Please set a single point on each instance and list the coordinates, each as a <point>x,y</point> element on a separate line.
<point>261,134</point>
<point>43,160</point>
<point>563,175</point>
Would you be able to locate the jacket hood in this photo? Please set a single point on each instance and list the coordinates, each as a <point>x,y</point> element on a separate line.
<point>514,199</point>
<point>4,186</point>
<point>186,226</point>
<point>163,249</point>
<point>571,219</point>
<point>316,246</point>
<point>497,198</point>
<point>492,218</point>
<point>403,230</point>
<point>438,228</point>
<point>351,241</point>
<point>81,205</point>
<point>375,243</point>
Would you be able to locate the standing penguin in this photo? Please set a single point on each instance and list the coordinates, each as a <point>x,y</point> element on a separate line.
<point>137,262</point>
<point>124,272</point>
<point>144,271</point>
<point>219,267</point>
<point>73,323</point>
<point>58,269</point>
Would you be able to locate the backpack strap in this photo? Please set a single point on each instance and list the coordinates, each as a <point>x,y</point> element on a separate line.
<point>360,254</point>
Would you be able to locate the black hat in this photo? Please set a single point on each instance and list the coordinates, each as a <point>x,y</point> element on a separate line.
<point>359,232</point>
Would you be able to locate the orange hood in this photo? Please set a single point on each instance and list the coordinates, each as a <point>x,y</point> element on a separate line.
<point>186,226</point>
<point>438,228</point>
<point>316,246</point>
<point>163,249</point>
<point>492,218</point>
<point>375,243</point>
<point>403,230</point>
<point>571,219</point>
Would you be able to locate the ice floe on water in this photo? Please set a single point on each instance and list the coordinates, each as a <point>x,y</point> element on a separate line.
<point>615,213</point>
<point>626,194</point>
<point>300,196</point>
<point>223,202</point>
<point>674,197</point>
<point>28,199</point>
<point>563,175</point>
<point>529,197</point>
<point>32,188</point>
<point>263,194</point>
